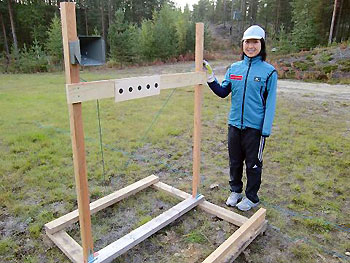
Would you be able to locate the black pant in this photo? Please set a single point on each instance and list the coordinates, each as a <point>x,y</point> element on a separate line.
<point>246,144</point>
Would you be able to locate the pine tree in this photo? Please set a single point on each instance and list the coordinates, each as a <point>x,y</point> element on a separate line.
<point>146,40</point>
<point>165,33</point>
<point>122,39</point>
<point>202,11</point>
<point>182,27</point>
<point>304,31</point>
<point>54,45</point>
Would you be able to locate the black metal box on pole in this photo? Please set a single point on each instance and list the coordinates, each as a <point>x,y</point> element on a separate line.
<point>88,51</point>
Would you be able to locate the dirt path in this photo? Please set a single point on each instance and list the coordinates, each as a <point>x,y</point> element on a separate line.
<point>307,88</point>
<point>320,89</point>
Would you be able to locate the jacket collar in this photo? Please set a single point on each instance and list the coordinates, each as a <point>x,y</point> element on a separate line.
<point>253,60</point>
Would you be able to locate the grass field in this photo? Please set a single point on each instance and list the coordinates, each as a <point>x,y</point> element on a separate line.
<point>305,180</point>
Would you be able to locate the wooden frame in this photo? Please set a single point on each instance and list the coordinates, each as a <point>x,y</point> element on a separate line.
<point>230,249</point>
<point>77,93</point>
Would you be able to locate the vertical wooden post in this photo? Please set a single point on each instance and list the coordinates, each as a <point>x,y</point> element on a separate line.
<point>69,33</point>
<point>197,109</point>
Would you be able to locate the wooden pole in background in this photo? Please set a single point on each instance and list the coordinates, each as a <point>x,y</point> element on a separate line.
<point>197,109</point>
<point>69,33</point>
<point>334,21</point>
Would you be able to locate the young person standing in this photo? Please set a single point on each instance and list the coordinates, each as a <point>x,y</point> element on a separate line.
<point>252,83</point>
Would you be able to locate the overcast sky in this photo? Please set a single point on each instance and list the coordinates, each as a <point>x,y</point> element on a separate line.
<point>182,3</point>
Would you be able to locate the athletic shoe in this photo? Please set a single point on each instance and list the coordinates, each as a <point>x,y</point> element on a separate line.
<point>246,204</point>
<point>233,199</point>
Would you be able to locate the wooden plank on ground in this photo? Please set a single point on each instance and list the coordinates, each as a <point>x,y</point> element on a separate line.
<point>68,246</point>
<point>211,208</point>
<point>232,255</point>
<point>136,236</point>
<point>242,237</point>
<point>72,217</point>
<point>85,91</point>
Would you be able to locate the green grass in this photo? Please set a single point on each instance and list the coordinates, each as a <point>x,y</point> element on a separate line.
<point>305,169</point>
<point>143,220</point>
<point>195,237</point>
<point>302,252</point>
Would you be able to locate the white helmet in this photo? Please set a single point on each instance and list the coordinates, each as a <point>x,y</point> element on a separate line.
<point>254,32</point>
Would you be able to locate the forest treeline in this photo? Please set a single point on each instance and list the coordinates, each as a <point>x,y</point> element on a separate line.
<point>144,31</point>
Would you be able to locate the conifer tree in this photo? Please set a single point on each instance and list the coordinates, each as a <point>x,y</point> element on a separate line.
<point>304,31</point>
<point>122,39</point>
<point>165,33</point>
<point>54,45</point>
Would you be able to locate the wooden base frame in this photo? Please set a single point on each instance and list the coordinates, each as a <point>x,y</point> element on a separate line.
<point>248,229</point>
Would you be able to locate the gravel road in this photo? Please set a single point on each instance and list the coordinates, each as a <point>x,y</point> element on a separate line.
<point>308,88</point>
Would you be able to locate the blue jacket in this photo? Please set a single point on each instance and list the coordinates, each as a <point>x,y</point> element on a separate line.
<point>253,84</point>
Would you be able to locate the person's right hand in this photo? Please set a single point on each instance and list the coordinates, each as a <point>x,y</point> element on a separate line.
<point>209,70</point>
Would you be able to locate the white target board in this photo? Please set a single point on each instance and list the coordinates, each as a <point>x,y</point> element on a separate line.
<point>138,87</point>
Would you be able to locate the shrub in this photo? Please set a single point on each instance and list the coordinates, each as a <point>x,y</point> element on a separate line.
<point>326,57</point>
<point>309,57</point>
<point>33,60</point>
<point>3,62</point>
<point>29,60</point>
<point>301,65</point>
<point>344,62</point>
<point>329,68</point>
<point>345,69</point>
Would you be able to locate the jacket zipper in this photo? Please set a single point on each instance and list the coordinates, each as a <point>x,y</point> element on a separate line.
<point>245,87</point>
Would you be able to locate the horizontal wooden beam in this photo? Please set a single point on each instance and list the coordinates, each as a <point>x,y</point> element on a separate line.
<point>68,245</point>
<point>170,81</point>
<point>93,90</point>
<point>240,239</point>
<point>110,252</point>
<point>85,91</point>
<point>211,208</point>
<point>72,217</point>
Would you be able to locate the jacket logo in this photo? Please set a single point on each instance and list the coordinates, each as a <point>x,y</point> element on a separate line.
<point>257,79</point>
<point>236,77</point>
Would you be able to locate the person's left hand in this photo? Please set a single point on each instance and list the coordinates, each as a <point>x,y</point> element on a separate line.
<point>209,70</point>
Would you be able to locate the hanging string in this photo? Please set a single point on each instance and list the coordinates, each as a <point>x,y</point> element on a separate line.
<point>155,118</point>
<point>100,137</point>
<point>140,140</point>
<point>101,145</point>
